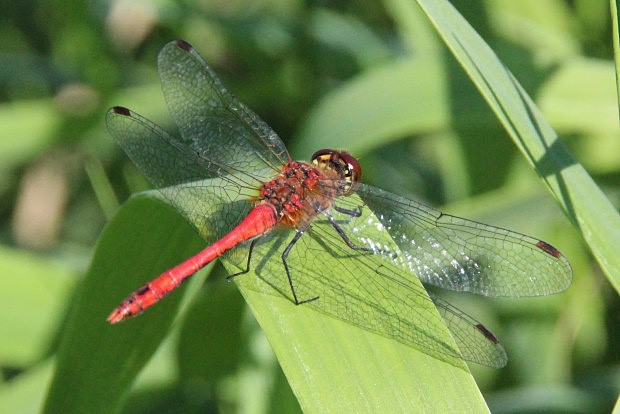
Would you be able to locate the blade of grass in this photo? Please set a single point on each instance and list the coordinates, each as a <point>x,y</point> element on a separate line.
<point>580,198</point>
<point>616,43</point>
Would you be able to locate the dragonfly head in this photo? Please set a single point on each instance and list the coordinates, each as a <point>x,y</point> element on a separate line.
<point>343,164</point>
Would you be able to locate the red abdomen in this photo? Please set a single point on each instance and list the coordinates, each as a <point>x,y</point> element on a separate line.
<point>261,219</point>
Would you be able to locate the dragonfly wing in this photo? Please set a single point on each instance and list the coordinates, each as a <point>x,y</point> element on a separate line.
<point>476,343</point>
<point>212,206</point>
<point>365,290</point>
<point>162,159</point>
<point>208,206</point>
<point>219,128</point>
<point>464,255</point>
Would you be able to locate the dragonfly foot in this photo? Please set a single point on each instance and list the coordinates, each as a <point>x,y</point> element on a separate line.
<point>297,302</point>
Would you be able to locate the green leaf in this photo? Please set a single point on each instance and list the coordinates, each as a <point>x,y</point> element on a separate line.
<point>579,97</point>
<point>319,354</point>
<point>97,362</point>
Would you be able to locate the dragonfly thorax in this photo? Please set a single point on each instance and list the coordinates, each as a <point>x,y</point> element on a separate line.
<point>303,190</point>
<point>296,193</point>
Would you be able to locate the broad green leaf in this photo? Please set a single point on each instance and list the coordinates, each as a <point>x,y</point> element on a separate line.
<point>319,354</point>
<point>97,362</point>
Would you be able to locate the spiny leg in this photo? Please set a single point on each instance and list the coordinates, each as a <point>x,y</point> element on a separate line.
<point>346,238</point>
<point>353,213</point>
<point>247,267</point>
<point>285,253</point>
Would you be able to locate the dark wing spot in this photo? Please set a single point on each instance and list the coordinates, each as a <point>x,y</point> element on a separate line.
<point>547,248</point>
<point>487,333</point>
<point>184,45</point>
<point>119,110</point>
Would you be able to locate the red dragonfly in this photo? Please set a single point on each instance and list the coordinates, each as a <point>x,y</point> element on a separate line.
<point>311,231</point>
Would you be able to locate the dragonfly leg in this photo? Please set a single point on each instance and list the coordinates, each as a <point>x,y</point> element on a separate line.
<point>348,241</point>
<point>353,213</point>
<point>285,253</point>
<point>247,267</point>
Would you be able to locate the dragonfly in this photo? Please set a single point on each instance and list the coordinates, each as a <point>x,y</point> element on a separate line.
<point>312,232</point>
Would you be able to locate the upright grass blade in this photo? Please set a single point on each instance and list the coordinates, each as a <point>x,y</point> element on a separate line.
<point>616,43</point>
<point>582,201</point>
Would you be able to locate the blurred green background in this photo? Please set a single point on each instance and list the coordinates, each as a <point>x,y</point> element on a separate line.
<point>307,68</point>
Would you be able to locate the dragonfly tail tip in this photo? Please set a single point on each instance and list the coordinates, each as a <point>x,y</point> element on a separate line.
<point>117,316</point>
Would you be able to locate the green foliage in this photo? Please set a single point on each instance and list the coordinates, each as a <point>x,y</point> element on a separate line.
<point>375,78</point>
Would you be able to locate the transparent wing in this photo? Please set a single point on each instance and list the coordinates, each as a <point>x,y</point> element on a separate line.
<point>366,290</point>
<point>459,254</point>
<point>225,152</point>
<point>475,341</point>
<point>212,206</point>
<point>212,122</point>
<point>220,137</point>
<point>161,158</point>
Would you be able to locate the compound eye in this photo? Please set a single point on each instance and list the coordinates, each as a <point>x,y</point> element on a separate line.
<point>345,164</point>
<point>323,156</point>
<point>353,167</point>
